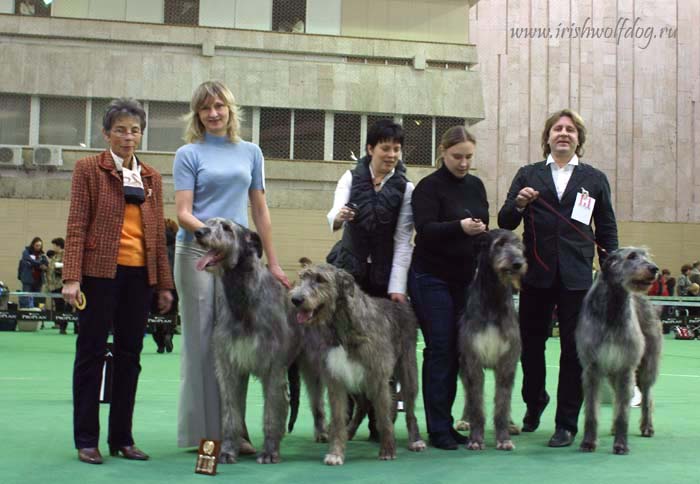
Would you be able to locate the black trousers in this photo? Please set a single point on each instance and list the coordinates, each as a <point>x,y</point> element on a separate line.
<point>536,306</point>
<point>121,303</point>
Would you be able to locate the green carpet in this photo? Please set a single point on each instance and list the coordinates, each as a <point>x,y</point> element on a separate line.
<point>36,443</point>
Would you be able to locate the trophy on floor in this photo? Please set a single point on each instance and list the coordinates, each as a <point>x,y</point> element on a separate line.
<point>207,457</point>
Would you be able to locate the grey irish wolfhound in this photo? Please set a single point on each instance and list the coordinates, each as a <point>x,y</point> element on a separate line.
<point>489,336</point>
<point>373,339</point>
<point>255,336</point>
<point>619,334</point>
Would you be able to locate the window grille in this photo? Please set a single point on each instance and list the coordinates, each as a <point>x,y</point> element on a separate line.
<point>14,120</point>
<point>275,130</point>
<point>62,122</point>
<point>309,127</point>
<point>347,138</point>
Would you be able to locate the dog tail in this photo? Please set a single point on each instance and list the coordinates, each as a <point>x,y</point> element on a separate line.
<point>294,391</point>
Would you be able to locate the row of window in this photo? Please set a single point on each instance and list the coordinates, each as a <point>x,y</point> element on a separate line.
<point>286,15</point>
<point>296,134</point>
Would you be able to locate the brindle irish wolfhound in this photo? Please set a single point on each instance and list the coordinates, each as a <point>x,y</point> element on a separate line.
<point>255,335</point>
<point>489,336</point>
<point>373,339</point>
<point>619,334</point>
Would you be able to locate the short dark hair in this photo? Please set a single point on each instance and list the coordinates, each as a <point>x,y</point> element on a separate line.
<point>384,130</point>
<point>59,242</point>
<point>552,120</point>
<point>685,267</point>
<point>666,272</point>
<point>123,106</point>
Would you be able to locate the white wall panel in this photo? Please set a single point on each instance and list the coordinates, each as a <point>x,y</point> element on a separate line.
<point>323,17</point>
<point>217,13</point>
<point>254,14</point>
<point>144,11</point>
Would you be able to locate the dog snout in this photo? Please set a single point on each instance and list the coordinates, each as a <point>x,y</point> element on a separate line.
<point>653,269</point>
<point>201,232</point>
<point>517,265</point>
<point>297,300</point>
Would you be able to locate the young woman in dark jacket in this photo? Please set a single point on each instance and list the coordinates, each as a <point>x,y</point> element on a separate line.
<point>449,209</point>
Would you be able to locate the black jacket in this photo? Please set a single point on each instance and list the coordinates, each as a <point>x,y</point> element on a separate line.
<point>559,246</point>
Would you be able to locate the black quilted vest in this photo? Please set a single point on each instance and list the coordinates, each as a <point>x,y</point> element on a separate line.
<point>371,233</point>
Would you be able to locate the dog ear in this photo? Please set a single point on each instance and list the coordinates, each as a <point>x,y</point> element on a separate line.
<point>254,242</point>
<point>345,283</point>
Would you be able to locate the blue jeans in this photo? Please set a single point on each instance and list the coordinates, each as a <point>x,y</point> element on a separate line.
<point>438,306</point>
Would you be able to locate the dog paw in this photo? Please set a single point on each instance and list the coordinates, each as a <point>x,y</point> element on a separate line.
<point>417,446</point>
<point>247,448</point>
<point>647,431</point>
<point>333,460</point>
<point>387,454</point>
<point>462,425</point>
<point>475,445</point>
<point>227,457</point>
<point>620,449</point>
<point>587,446</point>
<point>321,437</point>
<point>513,428</point>
<point>505,445</point>
<point>269,458</point>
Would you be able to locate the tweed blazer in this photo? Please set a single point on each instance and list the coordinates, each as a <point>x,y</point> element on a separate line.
<point>559,246</point>
<point>96,217</point>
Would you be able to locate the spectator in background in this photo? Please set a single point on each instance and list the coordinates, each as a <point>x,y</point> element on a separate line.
<point>670,282</point>
<point>54,278</point>
<point>31,270</point>
<point>684,280</point>
<point>660,286</point>
<point>694,275</point>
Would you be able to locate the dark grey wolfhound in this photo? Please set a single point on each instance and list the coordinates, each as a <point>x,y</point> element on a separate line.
<point>489,336</point>
<point>255,336</point>
<point>373,339</point>
<point>619,335</point>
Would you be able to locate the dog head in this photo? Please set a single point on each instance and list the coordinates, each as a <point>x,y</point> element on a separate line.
<point>319,289</point>
<point>229,246</point>
<point>631,268</point>
<point>502,250</point>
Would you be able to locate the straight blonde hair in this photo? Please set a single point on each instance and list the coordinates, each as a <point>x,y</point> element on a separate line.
<point>194,129</point>
<point>453,136</point>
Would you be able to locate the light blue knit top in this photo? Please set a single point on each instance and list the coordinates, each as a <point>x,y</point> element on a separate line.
<point>219,173</point>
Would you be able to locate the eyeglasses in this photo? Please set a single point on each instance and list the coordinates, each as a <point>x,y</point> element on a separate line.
<point>121,132</point>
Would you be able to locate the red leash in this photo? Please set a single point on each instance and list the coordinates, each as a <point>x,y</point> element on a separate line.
<point>553,210</point>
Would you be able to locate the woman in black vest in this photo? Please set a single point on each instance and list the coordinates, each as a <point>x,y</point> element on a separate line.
<point>373,205</point>
<point>449,209</point>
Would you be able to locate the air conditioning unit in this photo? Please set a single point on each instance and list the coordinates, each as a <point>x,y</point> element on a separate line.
<point>48,156</point>
<point>10,155</point>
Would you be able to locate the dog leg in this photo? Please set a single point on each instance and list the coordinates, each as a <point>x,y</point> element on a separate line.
<point>314,387</point>
<point>623,385</point>
<point>505,378</point>
<point>591,389</point>
<point>408,377</point>
<point>361,407</point>
<point>646,374</point>
<point>380,396</point>
<point>275,411</point>
<point>473,376</point>
<point>233,431</point>
<point>338,398</point>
